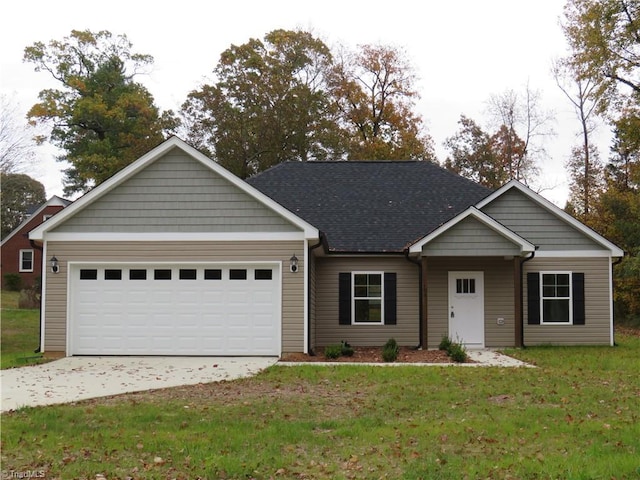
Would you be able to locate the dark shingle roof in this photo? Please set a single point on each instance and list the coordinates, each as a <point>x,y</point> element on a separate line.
<point>370,206</point>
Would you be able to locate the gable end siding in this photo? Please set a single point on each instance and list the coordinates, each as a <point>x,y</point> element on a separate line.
<point>531,221</point>
<point>176,193</point>
<point>471,238</point>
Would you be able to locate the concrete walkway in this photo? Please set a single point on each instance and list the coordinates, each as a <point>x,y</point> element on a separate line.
<point>78,378</point>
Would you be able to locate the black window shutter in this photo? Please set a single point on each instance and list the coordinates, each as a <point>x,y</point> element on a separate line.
<point>577,286</point>
<point>533,298</point>
<point>390,299</point>
<point>344,298</point>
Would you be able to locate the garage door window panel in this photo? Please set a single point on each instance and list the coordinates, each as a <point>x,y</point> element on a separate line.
<point>137,274</point>
<point>188,274</point>
<point>237,274</point>
<point>213,274</point>
<point>87,274</point>
<point>263,274</point>
<point>162,274</point>
<point>112,274</point>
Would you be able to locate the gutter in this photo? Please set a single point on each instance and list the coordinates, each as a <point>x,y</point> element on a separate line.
<point>44,272</point>
<point>320,243</point>
<point>418,263</point>
<point>522,262</point>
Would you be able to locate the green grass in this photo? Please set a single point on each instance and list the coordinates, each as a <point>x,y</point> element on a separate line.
<point>20,333</point>
<point>576,416</point>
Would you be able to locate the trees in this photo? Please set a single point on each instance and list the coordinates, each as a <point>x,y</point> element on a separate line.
<point>604,37</point>
<point>269,104</point>
<point>286,98</point>
<point>373,89</point>
<point>472,155</point>
<point>19,192</point>
<point>525,125</point>
<point>512,151</point>
<point>17,147</point>
<point>585,169</point>
<point>100,117</point>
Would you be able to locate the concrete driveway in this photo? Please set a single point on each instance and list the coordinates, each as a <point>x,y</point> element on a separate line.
<point>78,378</point>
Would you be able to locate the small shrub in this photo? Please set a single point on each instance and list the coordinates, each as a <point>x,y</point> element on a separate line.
<point>445,343</point>
<point>12,282</point>
<point>29,298</point>
<point>346,349</point>
<point>457,352</point>
<point>390,350</point>
<point>333,351</point>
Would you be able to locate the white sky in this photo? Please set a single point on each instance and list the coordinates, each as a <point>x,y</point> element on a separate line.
<point>463,51</point>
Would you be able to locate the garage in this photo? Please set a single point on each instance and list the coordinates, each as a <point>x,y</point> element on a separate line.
<point>213,309</point>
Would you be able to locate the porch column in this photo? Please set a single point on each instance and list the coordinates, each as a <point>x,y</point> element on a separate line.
<point>517,300</point>
<point>425,307</point>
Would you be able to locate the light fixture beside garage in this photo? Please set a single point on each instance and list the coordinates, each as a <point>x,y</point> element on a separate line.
<point>55,268</point>
<point>293,263</point>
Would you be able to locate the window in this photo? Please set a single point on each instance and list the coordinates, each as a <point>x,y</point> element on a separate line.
<point>213,274</point>
<point>263,274</point>
<point>188,274</point>
<point>237,274</point>
<point>26,260</point>
<point>110,274</point>
<point>465,285</point>
<point>86,274</point>
<point>138,274</point>
<point>162,274</point>
<point>367,297</point>
<point>555,297</point>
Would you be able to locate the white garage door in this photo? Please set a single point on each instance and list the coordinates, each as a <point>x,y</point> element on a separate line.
<point>175,309</point>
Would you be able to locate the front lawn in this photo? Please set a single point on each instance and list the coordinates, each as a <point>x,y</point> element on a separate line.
<point>20,333</point>
<point>576,416</point>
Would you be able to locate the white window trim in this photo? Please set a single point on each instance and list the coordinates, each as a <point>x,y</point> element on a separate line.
<point>20,260</point>
<point>353,297</point>
<point>570,297</point>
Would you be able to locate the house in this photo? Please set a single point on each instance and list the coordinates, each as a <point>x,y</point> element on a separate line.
<point>19,256</point>
<point>174,255</point>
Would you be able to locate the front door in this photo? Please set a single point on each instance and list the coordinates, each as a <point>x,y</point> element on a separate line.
<point>466,308</point>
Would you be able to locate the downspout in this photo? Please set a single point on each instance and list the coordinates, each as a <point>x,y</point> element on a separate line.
<point>44,272</point>
<point>418,263</point>
<point>311,248</point>
<point>522,262</point>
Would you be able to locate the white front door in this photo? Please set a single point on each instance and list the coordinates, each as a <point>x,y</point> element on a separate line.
<point>466,308</point>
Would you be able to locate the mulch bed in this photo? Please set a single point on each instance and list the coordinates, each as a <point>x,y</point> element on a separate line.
<point>373,355</point>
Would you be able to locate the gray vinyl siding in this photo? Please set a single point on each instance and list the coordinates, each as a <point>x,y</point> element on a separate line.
<point>539,226</point>
<point>597,327</point>
<point>328,331</point>
<point>472,238</point>
<point>292,283</point>
<point>499,300</point>
<point>176,193</point>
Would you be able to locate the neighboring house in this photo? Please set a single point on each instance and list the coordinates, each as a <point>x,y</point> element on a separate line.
<point>18,253</point>
<point>174,255</point>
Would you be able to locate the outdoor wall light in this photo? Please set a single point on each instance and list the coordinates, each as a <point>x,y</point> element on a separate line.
<point>55,268</point>
<point>293,265</point>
